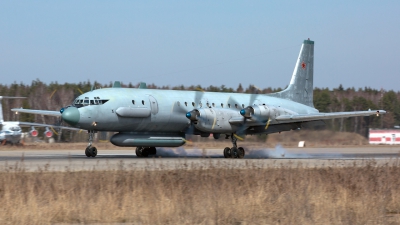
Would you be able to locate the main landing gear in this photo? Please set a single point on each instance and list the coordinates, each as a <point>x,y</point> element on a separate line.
<point>90,150</point>
<point>144,152</point>
<point>234,152</point>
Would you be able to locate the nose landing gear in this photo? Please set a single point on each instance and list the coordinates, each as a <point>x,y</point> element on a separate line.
<point>234,152</point>
<point>90,150</point>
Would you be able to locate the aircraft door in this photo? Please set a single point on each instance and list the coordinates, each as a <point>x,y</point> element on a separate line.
<point>153,105</point>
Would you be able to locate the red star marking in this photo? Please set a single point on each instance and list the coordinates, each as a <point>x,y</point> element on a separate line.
<point>303,65</point>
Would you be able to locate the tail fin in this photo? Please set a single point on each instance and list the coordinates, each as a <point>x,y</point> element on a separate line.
<point>1,106</point>
<point>1,110</point>
<point>300,88</point>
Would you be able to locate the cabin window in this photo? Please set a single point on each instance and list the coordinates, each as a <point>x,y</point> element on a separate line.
<point>142,102</point>
<point>133,101</point>
<point>235,105</point>
<point>222,105</point>
<point>208,105</point>
<point>193,104</point>
<point>229,105</point>
<point>242,106</point>
<point>213,105</point>
<point>185,103</point>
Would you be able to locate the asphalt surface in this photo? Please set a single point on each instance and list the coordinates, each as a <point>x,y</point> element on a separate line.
<point>182,158</point>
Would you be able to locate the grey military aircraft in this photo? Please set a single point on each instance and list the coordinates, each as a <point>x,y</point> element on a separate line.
<point>147,118</point>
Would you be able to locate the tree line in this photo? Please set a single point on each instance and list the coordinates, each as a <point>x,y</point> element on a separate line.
<point>54,96</point>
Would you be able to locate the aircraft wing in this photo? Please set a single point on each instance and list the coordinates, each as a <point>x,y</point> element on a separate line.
<point>29,124</point>
<point>40,112</point>
<point>324,116</point>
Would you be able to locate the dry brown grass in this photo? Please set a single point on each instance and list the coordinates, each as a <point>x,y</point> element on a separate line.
<point>354,195</point>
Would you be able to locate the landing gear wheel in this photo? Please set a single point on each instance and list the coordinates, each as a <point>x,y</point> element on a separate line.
<point>139,151</point>
<point>234,152</point>
<point>152,150</point>
<point>240,153</point>
<point>142,152</point>
<point>227,152</point>
<point>145,152</point>
<point>91,151</point>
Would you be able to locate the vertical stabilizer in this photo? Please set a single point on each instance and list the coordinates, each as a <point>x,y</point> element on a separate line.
<point>300,88</point>
<point>1,110</point>
<point>1,106</point>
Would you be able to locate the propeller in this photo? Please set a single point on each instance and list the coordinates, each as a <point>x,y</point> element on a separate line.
<point>248,112</point>
<point>193,115</point>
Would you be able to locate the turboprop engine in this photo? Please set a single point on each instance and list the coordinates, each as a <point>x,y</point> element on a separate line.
<point>219,120</point>
<point>47,133</point>
<point>257,112</point>
<point>33,132</point>
<point>213,120</point>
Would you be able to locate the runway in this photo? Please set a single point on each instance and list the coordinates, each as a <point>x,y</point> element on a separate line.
<point>181,158</point>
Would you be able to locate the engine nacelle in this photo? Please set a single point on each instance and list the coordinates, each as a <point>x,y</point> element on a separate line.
<point>33,132</point>
<point>47,133</point>
<point>258,112</point>
<point>215,120</point>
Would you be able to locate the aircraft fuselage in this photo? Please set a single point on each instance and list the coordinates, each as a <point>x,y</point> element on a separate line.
<point>151,110</point>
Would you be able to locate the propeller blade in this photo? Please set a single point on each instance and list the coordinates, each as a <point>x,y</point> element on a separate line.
<point>198,95</point>
<point>178,108</point>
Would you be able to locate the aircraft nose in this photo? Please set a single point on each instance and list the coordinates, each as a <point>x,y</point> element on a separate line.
<point>71,115</point>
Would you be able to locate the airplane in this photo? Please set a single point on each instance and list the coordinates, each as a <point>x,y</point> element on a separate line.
<point>149,118</point>
<point>11,131</point>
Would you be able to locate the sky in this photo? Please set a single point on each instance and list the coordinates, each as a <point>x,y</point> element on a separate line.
<point>200,42</point>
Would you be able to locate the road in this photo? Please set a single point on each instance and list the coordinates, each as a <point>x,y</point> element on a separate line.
<point>174,158</point>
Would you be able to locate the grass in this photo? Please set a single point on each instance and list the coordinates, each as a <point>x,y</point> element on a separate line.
<point>369,194</point>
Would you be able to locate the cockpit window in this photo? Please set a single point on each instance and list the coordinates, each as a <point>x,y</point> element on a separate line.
<point>15,128</point>
<point>89,101</point>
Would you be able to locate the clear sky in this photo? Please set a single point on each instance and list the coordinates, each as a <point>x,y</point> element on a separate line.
<point>200,42</point>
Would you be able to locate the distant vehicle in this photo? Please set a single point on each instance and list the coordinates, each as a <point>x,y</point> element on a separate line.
<point>11,130</point>
<point>147,119</point>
